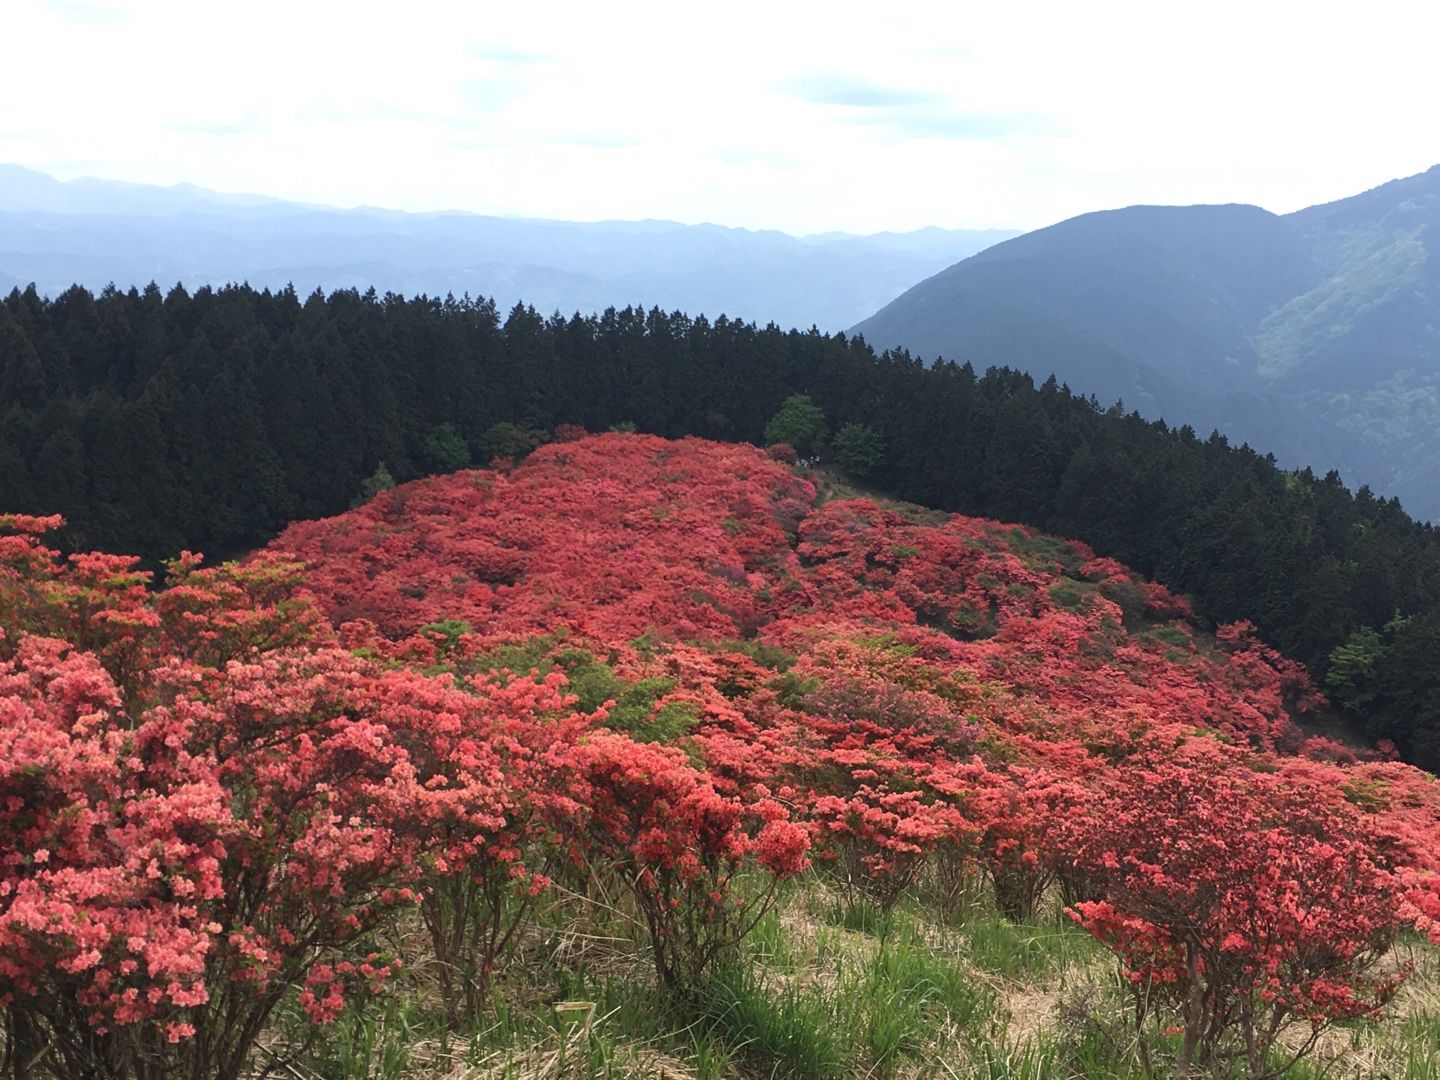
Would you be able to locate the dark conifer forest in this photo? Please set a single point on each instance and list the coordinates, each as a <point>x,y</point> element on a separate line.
<point>157,422</point>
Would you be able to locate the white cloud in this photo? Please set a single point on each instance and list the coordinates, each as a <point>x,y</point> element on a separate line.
<point>803,116</point>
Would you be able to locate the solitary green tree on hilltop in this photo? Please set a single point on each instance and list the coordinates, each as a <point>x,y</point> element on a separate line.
<point>800,423</point>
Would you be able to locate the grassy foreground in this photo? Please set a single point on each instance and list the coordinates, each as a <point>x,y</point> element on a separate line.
<point>822,989</point>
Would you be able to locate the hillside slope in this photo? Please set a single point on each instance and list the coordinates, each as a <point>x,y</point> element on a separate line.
<point>1315,336</point>
<point>94,232</point>
<point>649,758</point>
<point>635,543</point>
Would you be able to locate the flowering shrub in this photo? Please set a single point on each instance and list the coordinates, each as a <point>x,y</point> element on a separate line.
<point>489,763</point>
<point>1023,809</point>
<point>1238,903</point>
<point>196,812</point>
<point>885,733</point>
<point>678,844</point>
<point>783,453</point>
<point>105,876</point>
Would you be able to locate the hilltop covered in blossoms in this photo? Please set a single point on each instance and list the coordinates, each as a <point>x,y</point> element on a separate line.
<point>708,554</point>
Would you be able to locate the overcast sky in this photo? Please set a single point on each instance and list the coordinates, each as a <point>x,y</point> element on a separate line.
<point>798,116</point>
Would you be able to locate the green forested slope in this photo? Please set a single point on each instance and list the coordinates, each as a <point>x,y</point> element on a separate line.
<point>1315,336</point>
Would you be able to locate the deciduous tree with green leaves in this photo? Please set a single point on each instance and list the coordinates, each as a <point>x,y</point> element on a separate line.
<point>799,423</point>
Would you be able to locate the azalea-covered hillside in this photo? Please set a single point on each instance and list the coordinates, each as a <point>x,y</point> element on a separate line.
<point>928,693</point>
<point>671,672</point>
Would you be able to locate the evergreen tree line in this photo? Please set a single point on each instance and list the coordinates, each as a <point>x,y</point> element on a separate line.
<point>160,421</point>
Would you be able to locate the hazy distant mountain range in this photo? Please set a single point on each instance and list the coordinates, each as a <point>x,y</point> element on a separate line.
<point>1313,335</point>
<point>95,232</point>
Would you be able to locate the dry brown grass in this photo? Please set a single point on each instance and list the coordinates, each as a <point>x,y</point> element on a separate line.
<point>571,1057</point>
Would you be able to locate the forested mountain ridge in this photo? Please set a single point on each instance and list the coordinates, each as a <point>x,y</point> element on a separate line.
<point>1313,335</point>
<point>157,422</point>
<point>95,232</point>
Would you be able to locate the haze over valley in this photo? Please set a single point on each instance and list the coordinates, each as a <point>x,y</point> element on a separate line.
<point>96,233</point>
